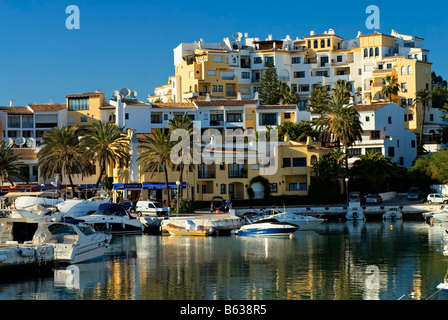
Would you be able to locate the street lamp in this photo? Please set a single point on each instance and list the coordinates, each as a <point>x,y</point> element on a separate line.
<point>346,188</point>
<point>177,184</point>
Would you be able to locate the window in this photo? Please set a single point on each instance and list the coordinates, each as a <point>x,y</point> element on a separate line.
<point>309,43</point>
<point>403,86</point>
<point>223,188</point>
<point>287,115</point>
<point>27,121</point>
<point>375,134</point>
<point>403,70</point>
<point>316,43</point>
<point>389,66</point>
<point>412,143</point>
<point>409,69</point>
<point>245,75</point>
<point>191,74</point>
<point>339,58</point>
<point>83,119</point>
<point>389,120</point>
<point>71,119</point>
<point>391,152</point>
<point>410,102</point>
<point>257,60</point>
<point>296,59</point>
<point>78,104</point>
<point>299,162</point>
<point>371,52</point>
<point>377,52</point>
<point>268,60</point>
<point>217,59</point>
<point>431,117</point>
<point>328,43</point>
<point>297,187</point>
<point>366,53</point>
<point>273,188</point>
<point>322,43</point>
<point>234,117</point>
<point>216,88</point>
<point>155,118</point>
<point>367,118</point>
<point>14,121</point>
<point>410,117</point>
<point>299,74</point>
<point>211,73</point>
<point>286,162</point>
<point>126,116</point>
<point>268,119</point>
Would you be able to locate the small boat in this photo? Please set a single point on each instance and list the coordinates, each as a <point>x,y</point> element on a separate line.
<point>73,243</point>
<point>191,229</point>
<point>304,222</point>
<point>113,218</point>
<point>74,208</point>
<point>26,200</point>
<point>354,212</point>
<point>440,215</point>
<point>392,214</point>
<point>268,227</point>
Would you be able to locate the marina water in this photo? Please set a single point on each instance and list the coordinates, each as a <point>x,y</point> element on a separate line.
<point>337,261</point>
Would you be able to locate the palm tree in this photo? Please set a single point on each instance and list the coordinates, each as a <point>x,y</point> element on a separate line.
<point>62,153</point>
<point>182,122</point>
<point>108,145</point>
<point>10,165</point>
<point>424,98</point>
<point>155,155</point>
<point>390,87</point>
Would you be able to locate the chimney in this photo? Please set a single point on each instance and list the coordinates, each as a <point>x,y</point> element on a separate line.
<point>308,141</point>
<point>11,103</point>
<point>286,137</point>
<point>238,96</point>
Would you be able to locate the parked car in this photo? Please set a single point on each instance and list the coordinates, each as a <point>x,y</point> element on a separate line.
<point>437,198</point>
<point>152,208</point>
<point>356,196</point>
<point>218,203</point>
<point>129,206</point>
<point>373,198</point>
<point>414,194</point>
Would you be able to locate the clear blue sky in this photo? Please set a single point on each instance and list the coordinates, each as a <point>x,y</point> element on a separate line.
<point>130,43</point>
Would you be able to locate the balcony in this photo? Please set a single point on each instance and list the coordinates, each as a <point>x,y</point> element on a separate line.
<point>190,95</point>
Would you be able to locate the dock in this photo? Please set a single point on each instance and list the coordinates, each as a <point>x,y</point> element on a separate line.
<point>15,256</point>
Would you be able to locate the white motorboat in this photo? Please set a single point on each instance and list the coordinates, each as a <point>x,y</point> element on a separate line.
<point>440,215</point>
<point>113,218</point>
<point>354,211</point>
<point>392,214</point>
<point>304,222</point>
<point>73,243</point>
<point>268,227</point>
<point>74,208</point>
<point>27,200</point>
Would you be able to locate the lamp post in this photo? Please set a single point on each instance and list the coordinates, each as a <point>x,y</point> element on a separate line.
<point>346,188</point>
<point>177,184</point>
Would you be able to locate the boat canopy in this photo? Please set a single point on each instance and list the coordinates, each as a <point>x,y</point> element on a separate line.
<point>32,194</point>
<point>111,209</point>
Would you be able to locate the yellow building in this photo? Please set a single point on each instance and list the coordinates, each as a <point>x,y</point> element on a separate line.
<point>84,108</point>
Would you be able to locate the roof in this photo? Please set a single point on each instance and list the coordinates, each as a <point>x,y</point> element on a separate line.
<point>281,106</point>
<point>169,105</point>
<point>47,107</point>
<point>225,103</point>
<point>87,94</point>
<point>25,154</point>
<point>16,110</point>
<point>370,107</point>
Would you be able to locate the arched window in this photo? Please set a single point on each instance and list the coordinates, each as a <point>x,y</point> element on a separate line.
<point>328,43</point>
<point>403,70</point>
<point>377,52</point>
<point>371,52</point>
<point>366,53</point>
<point>313,159</point>
<point>409,69</point>
<point>309,43</point>
<point>322,43</point>
<point>316,43</point>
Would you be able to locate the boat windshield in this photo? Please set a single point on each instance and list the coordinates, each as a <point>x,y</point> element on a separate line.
<point>86,230</point>
<point>56,229</point>
<point>110,209</point>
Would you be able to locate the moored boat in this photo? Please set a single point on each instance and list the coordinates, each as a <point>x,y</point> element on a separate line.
<point>392,214</point>
<point>304,222</point>
<point>268,227</point>
<point>191,229</point>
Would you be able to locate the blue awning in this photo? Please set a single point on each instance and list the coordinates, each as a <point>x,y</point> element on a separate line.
<point>146,186</point>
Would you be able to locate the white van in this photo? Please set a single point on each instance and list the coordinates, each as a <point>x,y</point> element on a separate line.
<point>151,208</point>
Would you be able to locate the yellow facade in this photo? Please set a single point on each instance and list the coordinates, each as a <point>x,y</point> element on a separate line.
<point>84,108</point>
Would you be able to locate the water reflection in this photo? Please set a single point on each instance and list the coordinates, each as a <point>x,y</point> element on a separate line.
<point>363,260</point>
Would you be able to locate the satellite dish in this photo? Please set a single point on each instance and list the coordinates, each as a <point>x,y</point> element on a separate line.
<point>133,94</point>
<point>237,35</point>
<point>31,143</point>
<point>116,93</point>
<point>125,92</point>
<point>20,141</point>
<point>9,142</point>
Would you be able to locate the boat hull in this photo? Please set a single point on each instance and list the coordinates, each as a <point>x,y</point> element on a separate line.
<point>117,227</point>
<point>268,229</point>
<point>179,231</point>
<point>75,254</point>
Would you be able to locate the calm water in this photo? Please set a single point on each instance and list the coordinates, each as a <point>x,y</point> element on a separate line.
<point>327,264</point>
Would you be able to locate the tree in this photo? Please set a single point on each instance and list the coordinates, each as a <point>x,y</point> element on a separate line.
<point>422,97</point>
<point>108,145</point>
<point>434,166</point>
<point>287,96</point>
<point>296,131</point>
<point>330,167</point>
<point>155,155</point>
<point>270,92</point>
<point>62,153</point>
<point>318,99</point>
<point>375,168</point>
<point>182,122</point>
<point>10,165</point>
<point>390,87</point>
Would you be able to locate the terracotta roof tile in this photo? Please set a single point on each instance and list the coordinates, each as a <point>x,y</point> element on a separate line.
<point>225,103</point>
<point>16,110</point>
<point>25,154</point>
<point>168,105</point>
<point>47,107</point>
<point>284,106</point>
<point>370,107</point>
<point>87,94</point>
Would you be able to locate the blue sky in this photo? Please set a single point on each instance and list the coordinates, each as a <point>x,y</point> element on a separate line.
<point>130,43</point>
